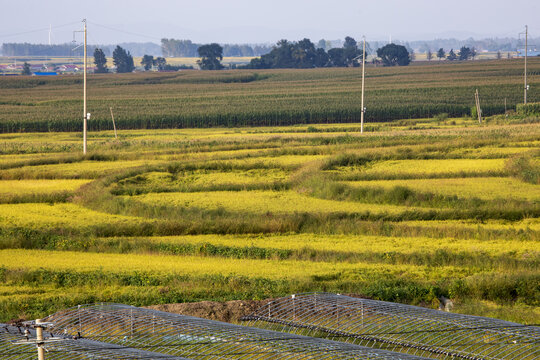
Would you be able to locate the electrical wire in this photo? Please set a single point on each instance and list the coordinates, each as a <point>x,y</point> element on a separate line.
<point>38,30</point>
<point>124,31</point>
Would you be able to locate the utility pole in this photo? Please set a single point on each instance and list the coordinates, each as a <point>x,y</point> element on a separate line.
<point>85,114</point>
<point>114,125</point>
<point>526,52</point>
<point>478,108</point>
<point>39,339</point>
<point>363,77</point>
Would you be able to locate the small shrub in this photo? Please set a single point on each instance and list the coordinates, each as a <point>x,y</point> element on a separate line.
<point>528,109</point>
<point>525,168</point>
<point>441,116</point>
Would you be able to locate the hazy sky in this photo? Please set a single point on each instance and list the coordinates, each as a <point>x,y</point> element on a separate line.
<point>251,21</point>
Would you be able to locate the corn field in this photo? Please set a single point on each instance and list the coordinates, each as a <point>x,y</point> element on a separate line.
<point>194,99</point>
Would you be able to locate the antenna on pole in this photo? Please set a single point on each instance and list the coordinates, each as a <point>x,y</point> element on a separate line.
<point>50,30</point>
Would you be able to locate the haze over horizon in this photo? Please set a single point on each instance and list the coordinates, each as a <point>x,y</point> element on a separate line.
<point>247,22</point>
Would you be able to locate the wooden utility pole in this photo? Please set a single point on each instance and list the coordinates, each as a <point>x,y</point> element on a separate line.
<point>114,125</point>
<point>85,114</point>
<point>526,52</point>
<point>363,77</point>
<point>478,109</point>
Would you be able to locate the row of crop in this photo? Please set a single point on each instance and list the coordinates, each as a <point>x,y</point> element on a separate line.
<point>423,251</point>
<point>269,118</point>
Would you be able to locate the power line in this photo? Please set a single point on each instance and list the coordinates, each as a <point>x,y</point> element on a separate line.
<point>125,32</point>
<point>38,30</point>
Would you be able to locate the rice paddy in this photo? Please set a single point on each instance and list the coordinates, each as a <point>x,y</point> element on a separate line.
<point>424,168</point>
<point>263,202</point>
<point>408,211</point>
<point>485,188</point>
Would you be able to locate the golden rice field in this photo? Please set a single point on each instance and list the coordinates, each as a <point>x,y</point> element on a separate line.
<point>427,168</point>
<point>263,202</point>
<point>356,244</point>
<point>78,170</point>
<point>43,216</point>
<point>24,187</point>
<point>199,266</point>
<point>406,212</point>
<point>485,188</point>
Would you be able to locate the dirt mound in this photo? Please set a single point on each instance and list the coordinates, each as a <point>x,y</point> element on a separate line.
<point>229,311</point>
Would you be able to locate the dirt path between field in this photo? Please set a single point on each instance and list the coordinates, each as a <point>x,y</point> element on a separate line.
<point>229,311</point>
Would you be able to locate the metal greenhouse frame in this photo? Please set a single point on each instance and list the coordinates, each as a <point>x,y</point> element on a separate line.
<point>172,336</point>
<point>66,348</point>
<point>401,328</point>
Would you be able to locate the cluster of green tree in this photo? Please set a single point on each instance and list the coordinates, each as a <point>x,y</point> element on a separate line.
<point>26,69</point>
<point>392,55</point>
<point>245,50</point>
<point>211,56</point>
<point>465,53</point>
<point>303,54</point>
<point>122,59</point>
<point>148,61</point>
<point>186,48</point>
<point>101,61</point>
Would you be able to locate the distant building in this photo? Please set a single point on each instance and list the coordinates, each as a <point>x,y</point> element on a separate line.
<point>521,52</point>
<point>68,68</point>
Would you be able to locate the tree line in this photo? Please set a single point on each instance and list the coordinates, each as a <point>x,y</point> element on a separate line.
<point>187,48</point>
<point>304,54</point>
<point>64,50</point>
<point>301,54</point>
<point>26,49</point>
<point>465,53</point>
<point>123,61</point>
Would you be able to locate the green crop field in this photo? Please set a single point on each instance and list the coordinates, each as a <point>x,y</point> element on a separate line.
<point>176,209</point>
<point>189,99</point>
<point>402,213</point>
